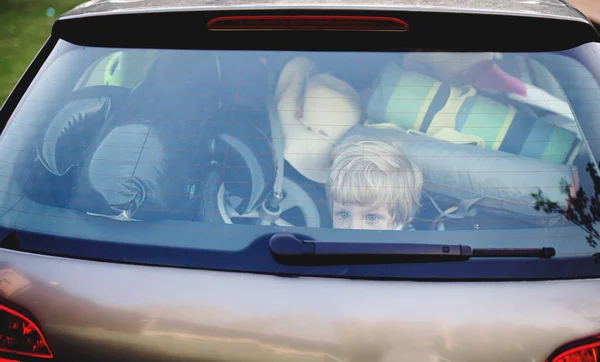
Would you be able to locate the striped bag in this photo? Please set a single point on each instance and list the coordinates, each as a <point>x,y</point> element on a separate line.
<point>422,104</point>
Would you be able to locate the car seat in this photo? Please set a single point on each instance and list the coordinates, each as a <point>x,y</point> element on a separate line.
<point>420,103</point>
<point>583,93</point>
<point>146,161</point>
<point>60,145</point>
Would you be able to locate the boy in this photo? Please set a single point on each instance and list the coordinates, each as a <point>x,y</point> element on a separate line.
<point>373,185</point>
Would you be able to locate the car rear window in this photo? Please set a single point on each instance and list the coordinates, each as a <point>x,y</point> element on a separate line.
<point>173,147</point>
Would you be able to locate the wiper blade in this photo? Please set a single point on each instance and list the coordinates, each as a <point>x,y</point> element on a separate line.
<point>289,249</point>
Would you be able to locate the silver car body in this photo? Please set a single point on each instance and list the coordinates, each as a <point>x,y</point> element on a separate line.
<point>94,310</point>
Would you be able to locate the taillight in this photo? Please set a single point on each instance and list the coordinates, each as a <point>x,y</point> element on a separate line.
<point>587,350</point>
<point>21,336</point>
<point>307,22</point>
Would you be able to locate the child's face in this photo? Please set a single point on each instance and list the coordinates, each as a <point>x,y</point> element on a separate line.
<point>362,216</point>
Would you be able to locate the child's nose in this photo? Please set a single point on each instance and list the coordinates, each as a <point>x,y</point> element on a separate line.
<point>356,223</point>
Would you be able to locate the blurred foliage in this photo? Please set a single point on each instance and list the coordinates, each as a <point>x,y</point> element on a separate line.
<point>24,27</point>
<point>581,209</point>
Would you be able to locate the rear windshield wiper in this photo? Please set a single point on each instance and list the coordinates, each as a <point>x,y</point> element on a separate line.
<point>289,249</point>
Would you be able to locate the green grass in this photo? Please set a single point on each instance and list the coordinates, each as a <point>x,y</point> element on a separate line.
<point>24,27</point>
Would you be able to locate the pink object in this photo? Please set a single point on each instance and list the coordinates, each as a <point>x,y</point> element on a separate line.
<point>490,76</point>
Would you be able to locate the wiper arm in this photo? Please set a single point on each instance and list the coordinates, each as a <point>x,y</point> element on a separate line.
<point>288,249</point>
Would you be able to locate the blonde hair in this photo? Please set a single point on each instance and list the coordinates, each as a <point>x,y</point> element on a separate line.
<point>375,172</point>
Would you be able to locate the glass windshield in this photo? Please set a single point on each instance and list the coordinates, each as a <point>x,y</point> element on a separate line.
<point>151,146</point>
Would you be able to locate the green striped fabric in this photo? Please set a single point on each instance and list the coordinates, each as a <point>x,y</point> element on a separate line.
<point>418,102</point>
<point>402,97</point>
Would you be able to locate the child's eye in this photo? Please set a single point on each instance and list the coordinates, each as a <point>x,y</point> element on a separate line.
<point>372,217</point>
<point>343,215</point>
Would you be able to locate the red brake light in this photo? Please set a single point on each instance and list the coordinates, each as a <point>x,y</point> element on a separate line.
<point>20,335</point>
<point>583,351</point>
<point>308,22</point>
